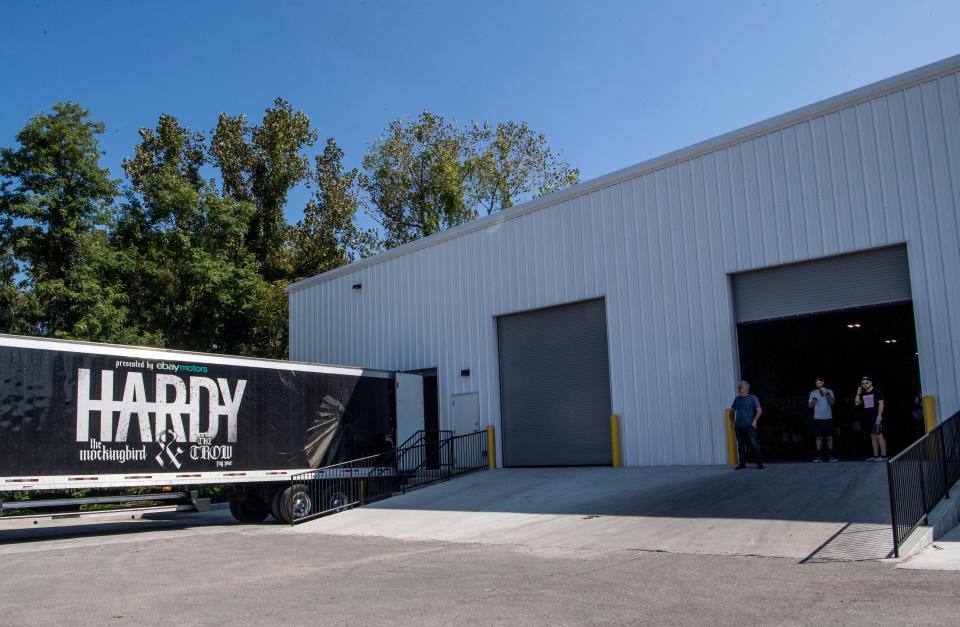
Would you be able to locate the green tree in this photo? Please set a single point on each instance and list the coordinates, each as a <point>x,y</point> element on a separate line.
<point>328,237</point>
<point>191,263</point>
<point>428,174</point>
<point>194,282</point>
<point>510,163</point>
<point>261,164</point>
<point>54,206</point>
<point>12,298</point>
<point>264,322</point>
<point>415,178</point>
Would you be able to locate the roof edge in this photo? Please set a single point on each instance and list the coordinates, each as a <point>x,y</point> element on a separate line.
<point>921,74</point>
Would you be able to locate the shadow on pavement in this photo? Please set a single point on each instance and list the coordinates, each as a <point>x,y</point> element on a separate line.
<point>67,527</point>
<point>855,543</point>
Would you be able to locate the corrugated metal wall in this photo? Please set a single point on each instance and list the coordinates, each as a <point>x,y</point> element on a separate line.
<point>659,247</point>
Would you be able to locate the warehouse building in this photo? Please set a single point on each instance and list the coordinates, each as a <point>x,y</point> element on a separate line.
<point>823,241</point>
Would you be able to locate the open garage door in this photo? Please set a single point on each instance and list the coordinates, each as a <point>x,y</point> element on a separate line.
<point>555,386</point>
<point>840,318</point>
<point>874,277</point>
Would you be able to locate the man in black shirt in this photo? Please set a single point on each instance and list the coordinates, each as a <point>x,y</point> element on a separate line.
<point>871,399</point>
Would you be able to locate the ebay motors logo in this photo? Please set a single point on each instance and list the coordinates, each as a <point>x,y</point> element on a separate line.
<point>162,365</point>
<point>159,420</point>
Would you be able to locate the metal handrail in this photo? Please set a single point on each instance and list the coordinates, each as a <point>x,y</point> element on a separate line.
<point>352,483</point>
<point>403,451</point>
<point>413,440</point>
<point>420,438</point>
<point>920,475</point>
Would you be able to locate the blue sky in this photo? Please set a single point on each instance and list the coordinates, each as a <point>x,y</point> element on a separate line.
<point>609,83</point>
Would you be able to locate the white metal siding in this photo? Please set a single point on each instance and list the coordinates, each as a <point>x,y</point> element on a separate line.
<point>659,247</point>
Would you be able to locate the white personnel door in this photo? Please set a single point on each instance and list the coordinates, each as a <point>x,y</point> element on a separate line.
<point>466,413</point>
<point>409,390</point>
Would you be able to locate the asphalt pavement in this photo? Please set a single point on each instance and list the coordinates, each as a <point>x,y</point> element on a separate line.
<point>203,570</point>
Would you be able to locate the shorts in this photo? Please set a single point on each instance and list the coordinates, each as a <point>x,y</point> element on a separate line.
<point>823,427</point>
<point>876,428</point>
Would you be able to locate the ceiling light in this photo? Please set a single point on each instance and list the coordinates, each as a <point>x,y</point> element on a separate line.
<point>853,325</point>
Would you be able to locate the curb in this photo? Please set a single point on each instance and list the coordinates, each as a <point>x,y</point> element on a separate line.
<point>942,519</point>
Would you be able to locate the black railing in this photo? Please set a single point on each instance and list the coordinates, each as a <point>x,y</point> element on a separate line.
<point>921,475</point>
<point>422,436</point>
<point>357,482</point>
<point>409,453</point>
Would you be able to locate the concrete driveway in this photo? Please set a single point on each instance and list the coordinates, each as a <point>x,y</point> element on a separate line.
<point>838,511</point>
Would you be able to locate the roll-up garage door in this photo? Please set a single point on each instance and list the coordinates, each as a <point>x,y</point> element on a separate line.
<point>555,386</point>
<point>875,277</point>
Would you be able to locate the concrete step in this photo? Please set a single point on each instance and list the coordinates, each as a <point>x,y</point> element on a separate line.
<point>944,517</point>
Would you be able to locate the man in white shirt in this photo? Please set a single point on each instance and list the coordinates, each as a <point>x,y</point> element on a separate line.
<point>822,400</point>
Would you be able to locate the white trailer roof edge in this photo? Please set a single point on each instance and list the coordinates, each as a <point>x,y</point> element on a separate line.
<point>141,352</point>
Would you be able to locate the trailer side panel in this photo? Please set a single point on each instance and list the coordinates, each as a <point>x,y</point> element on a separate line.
<point>65,412</point>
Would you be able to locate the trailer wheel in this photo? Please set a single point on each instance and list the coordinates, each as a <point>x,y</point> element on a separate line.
<point>248,509</point>
<point>276,506</point>
<point>336,500</point>
<point>235,510</point>
<point>297,503</point>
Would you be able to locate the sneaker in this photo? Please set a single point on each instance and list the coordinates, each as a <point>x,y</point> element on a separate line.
<point>871,459</point>
<point>817,460</point>
<point>833,459</point>
<point>740,466</point>
<point>882,458</point>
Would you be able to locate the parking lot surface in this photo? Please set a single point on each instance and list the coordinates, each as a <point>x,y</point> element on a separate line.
<point>208,572</point>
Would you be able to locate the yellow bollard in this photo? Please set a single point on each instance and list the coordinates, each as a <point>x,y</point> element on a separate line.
<point>731,436</point>
<point>491,449</point>
<point>929,414</point>
<point>615,440</point>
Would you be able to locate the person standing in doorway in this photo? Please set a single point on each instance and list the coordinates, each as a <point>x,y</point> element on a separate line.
<point>746,413</point>
<point>822,400</point>
<point>871,399</point>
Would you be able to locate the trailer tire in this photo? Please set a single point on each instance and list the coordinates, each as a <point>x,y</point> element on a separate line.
<point>336,500</point>
<point>297,503</point>
<point>276,506</point>
<point>248,509</point>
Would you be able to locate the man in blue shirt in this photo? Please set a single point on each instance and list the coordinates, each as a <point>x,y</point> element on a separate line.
<point>746,413</point>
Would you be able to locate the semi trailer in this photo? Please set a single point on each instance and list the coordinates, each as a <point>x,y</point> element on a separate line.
<point>88,415</point>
